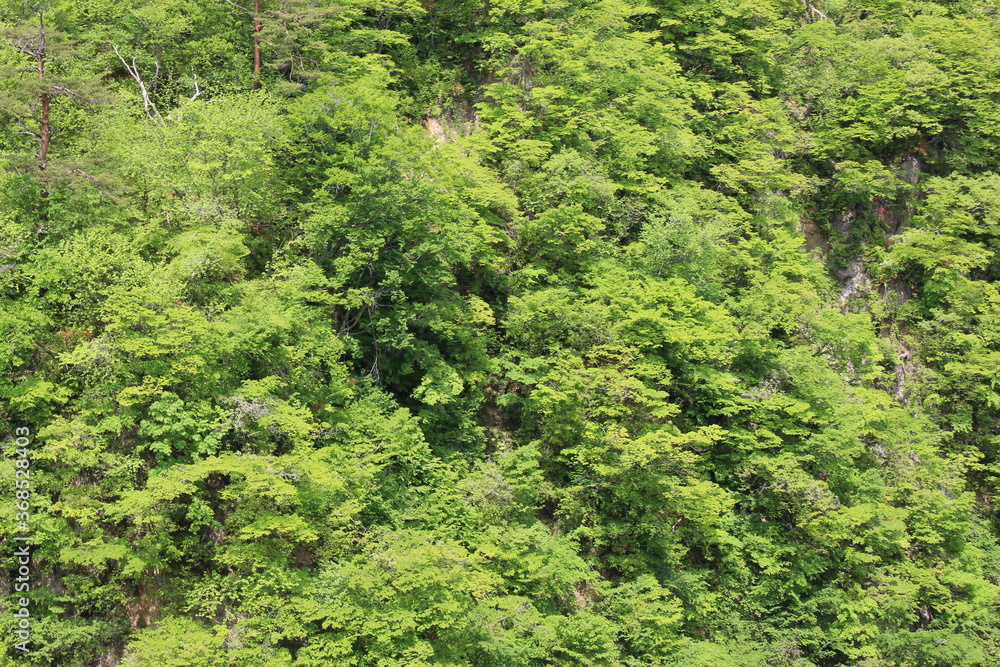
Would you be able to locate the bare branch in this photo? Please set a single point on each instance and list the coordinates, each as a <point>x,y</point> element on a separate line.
<point>63,90</point>
<point>238,6</point>
<point>197,91</point>
<point>816,10</point>
<point>147,103</point>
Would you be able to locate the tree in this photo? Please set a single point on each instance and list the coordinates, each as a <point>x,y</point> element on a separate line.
<point>43,71</point>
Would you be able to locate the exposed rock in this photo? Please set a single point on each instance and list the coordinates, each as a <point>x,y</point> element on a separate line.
<point>903,369</point>
<point>854,280</point>
<point>817,242</point>
<point>436,130</point>
<point>845,221</point>
<point>908,169</point>
<point>452,125</point>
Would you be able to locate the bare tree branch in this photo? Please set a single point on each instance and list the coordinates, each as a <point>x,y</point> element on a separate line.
<point>816,10</point>
<point>147,103</point>
<point>238,6</point>
<point>197,91</point>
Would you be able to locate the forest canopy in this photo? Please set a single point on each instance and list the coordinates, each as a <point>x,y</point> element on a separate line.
<point>500,333</point>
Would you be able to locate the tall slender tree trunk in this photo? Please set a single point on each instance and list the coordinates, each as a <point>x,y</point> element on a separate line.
<point>45,131</point>
<point>257,27</point>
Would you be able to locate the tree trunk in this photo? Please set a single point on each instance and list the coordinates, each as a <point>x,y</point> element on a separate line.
<point>45,132</point>
<point>43,149</point>
<point>257,27</point>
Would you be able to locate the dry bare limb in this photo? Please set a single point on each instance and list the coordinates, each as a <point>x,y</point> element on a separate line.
<point>147,102</point>
<point>197,91</point>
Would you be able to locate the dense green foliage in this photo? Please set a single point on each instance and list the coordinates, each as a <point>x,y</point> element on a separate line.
<point>503,334</point>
